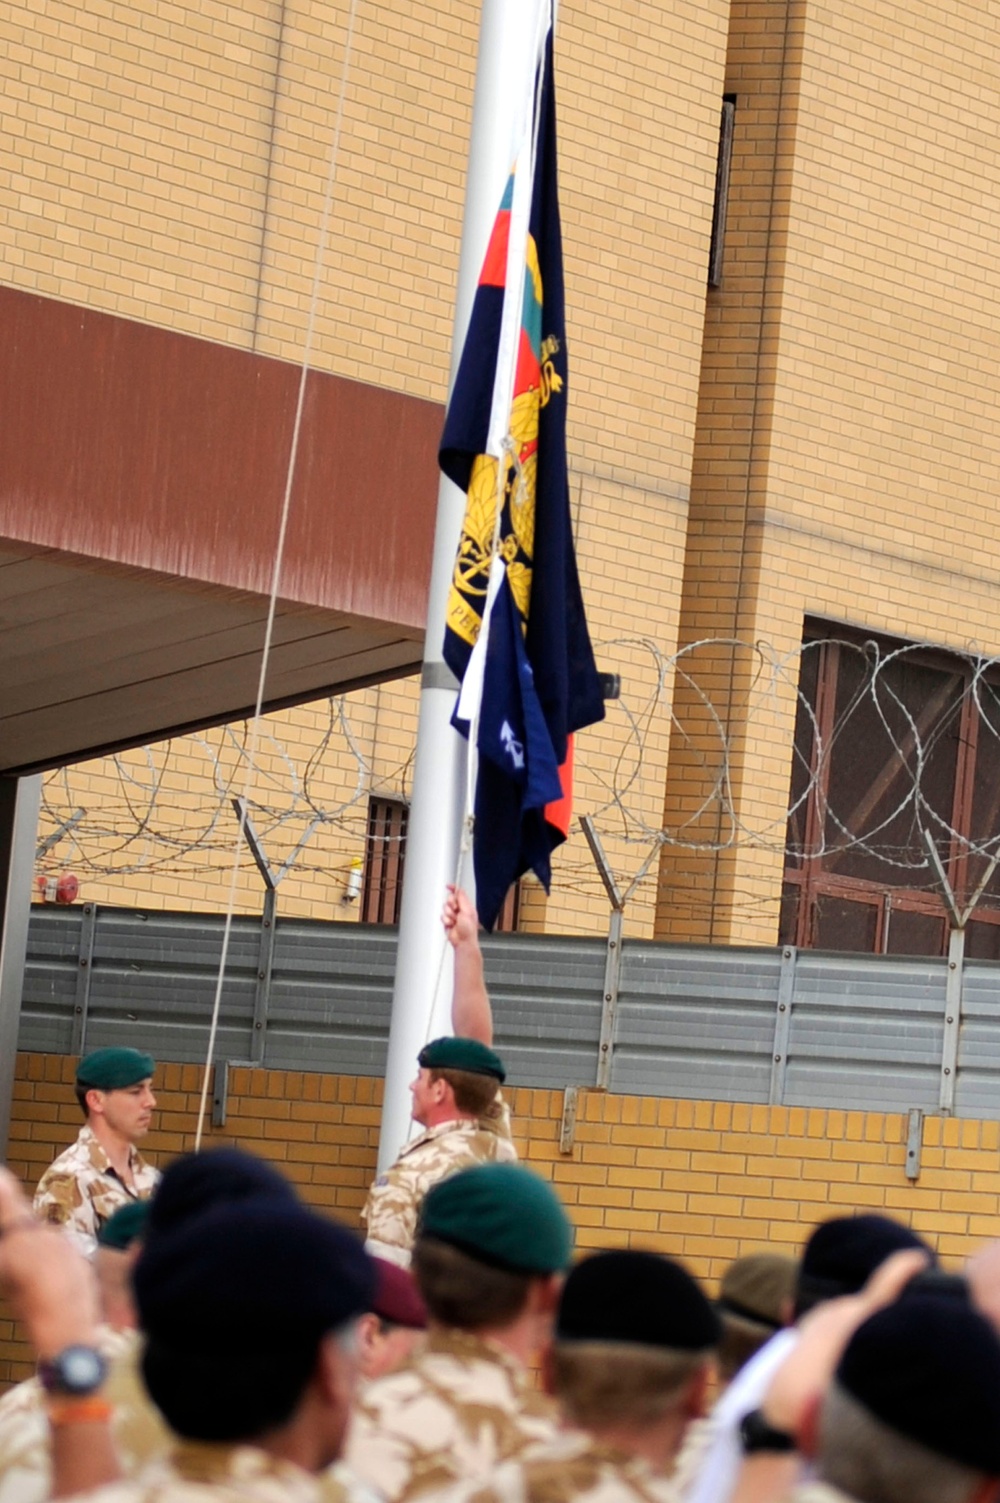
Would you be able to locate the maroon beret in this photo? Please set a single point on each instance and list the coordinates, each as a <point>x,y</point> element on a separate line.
<point>396,1297</point>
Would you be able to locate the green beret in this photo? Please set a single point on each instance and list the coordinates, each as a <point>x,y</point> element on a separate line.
<point>461,1054</point>
<point>128,1223</point>
<point>114,1069</point>
<point>501,1214</point>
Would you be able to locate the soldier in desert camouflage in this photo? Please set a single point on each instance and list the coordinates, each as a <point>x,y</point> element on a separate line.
<point>492,1246</point>
<point>456,1100</point>
<point>103,1170</point>
<point>630,1367</point>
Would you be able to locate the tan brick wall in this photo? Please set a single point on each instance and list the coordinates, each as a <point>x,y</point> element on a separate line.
<point>702,1181</point>
<point>167,163</point>
<point>844,461</point>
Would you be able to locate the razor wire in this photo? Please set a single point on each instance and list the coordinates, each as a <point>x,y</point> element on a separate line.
<point>675,707</point>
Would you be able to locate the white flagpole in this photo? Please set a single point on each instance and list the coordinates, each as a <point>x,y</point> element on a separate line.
<point>421,1003</point>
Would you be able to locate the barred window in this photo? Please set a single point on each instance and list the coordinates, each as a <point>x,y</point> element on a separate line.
<point>385,855</point>
<point>892,740</point>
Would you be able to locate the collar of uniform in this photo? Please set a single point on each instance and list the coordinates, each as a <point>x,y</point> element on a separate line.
<point>98,1158</point>
<point>201,1461</point>
<point>447,1341</point>
<point>457,1124</point>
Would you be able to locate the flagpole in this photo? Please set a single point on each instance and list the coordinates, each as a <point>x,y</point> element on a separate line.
<point>421,1003</point>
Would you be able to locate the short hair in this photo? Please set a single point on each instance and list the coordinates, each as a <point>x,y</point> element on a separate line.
<point>873,1463</point>
<point>80,1092</point>
<point>462,1292</point>
<point>474,1093</point>
<point>600,1383</point>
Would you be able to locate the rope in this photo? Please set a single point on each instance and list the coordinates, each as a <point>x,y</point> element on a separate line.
<point>278,560</point>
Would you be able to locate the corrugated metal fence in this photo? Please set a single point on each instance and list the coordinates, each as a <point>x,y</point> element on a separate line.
<point>795,1027</point>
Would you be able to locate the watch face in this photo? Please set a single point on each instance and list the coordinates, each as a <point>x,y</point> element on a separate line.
<point>76,1370</point>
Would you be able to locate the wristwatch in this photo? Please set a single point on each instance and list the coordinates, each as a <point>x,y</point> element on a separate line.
<point>75,1372</point>
<point>756,1434</point>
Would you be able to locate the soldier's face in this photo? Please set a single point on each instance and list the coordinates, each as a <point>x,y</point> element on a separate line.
<point>425,1096</point>
<point>129,1111</point>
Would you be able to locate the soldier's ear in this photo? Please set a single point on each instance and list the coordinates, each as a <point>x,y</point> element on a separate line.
<point>95,1100</point>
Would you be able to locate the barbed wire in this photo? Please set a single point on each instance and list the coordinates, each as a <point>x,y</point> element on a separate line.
<point>877,748</point>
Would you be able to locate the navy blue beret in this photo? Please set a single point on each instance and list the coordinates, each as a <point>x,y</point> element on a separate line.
<point>251,1275</point>
<point>639,1299</point>
<point>842,1254</point>
<point>219,1176</point>
<point>929,1368</point>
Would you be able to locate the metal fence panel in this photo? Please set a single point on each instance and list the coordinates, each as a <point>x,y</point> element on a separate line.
<point>704,1022</point>
<point>867,1032</point>
<point>977,1088</point>
<point>696,1022</point>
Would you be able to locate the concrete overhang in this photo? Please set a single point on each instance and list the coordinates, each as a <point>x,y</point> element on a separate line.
<point>141,482</point>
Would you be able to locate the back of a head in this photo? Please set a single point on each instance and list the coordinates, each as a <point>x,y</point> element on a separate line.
<point>913,1415</point>
<point>633,1334</point>
<point>484,1235</point>
<point>199,1182</point>
<point>234,1305</point>
<point>756,1297</point>
<point>843,1253</point>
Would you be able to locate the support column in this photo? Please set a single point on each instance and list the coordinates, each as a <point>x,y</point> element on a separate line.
<point>20,801</point>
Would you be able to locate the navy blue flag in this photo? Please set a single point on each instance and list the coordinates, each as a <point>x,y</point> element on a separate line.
<point>508,408</point>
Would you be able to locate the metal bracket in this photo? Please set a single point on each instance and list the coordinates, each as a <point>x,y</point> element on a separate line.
<point>952,1019</point>
<point>914,1142</point>
<point>84,971</point>
<point>220,1093</point>
<point>782,1025</point>
<point>262,990</point>
<point>567,1127</point>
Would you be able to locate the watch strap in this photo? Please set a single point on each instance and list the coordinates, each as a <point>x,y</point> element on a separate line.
<point>757,1434</point>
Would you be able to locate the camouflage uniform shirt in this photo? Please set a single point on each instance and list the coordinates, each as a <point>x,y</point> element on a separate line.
<point>394,1200</point>
<point>573,1467</point>
<point>452,1413</point>
<point>81,1190</point>
<point>198,1473</point>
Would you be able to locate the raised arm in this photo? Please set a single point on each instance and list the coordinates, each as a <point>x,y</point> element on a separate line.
<point>53,1290</point>
<point>471,1014</point>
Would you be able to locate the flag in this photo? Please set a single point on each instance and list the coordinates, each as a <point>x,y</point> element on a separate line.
<point>516,634</point>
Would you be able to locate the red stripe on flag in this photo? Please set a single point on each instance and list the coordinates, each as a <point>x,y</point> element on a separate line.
<point>560,813</point>
<point>494,272</point>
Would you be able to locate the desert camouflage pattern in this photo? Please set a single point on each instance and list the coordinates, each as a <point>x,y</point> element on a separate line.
<point>452,1413</point>
<point>81,1191</point>
<point>198,1473</point>
<point>25,1454</point>
<point>570,1468</point>
<point>394,1200</point>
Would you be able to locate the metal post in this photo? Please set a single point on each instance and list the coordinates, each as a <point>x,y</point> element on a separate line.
<point>421,1002</point>
<point>84,972</point>
<point>782,1025</point>
<point>609,1009</point>
<point>20,801</point>
<point>952,1019</point>
<point>265,953</point>
<point>613,959</point>
<point>262,991</point>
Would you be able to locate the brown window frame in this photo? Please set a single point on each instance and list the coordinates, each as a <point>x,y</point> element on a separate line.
<point>808,879</point>
<point>385,857</point>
